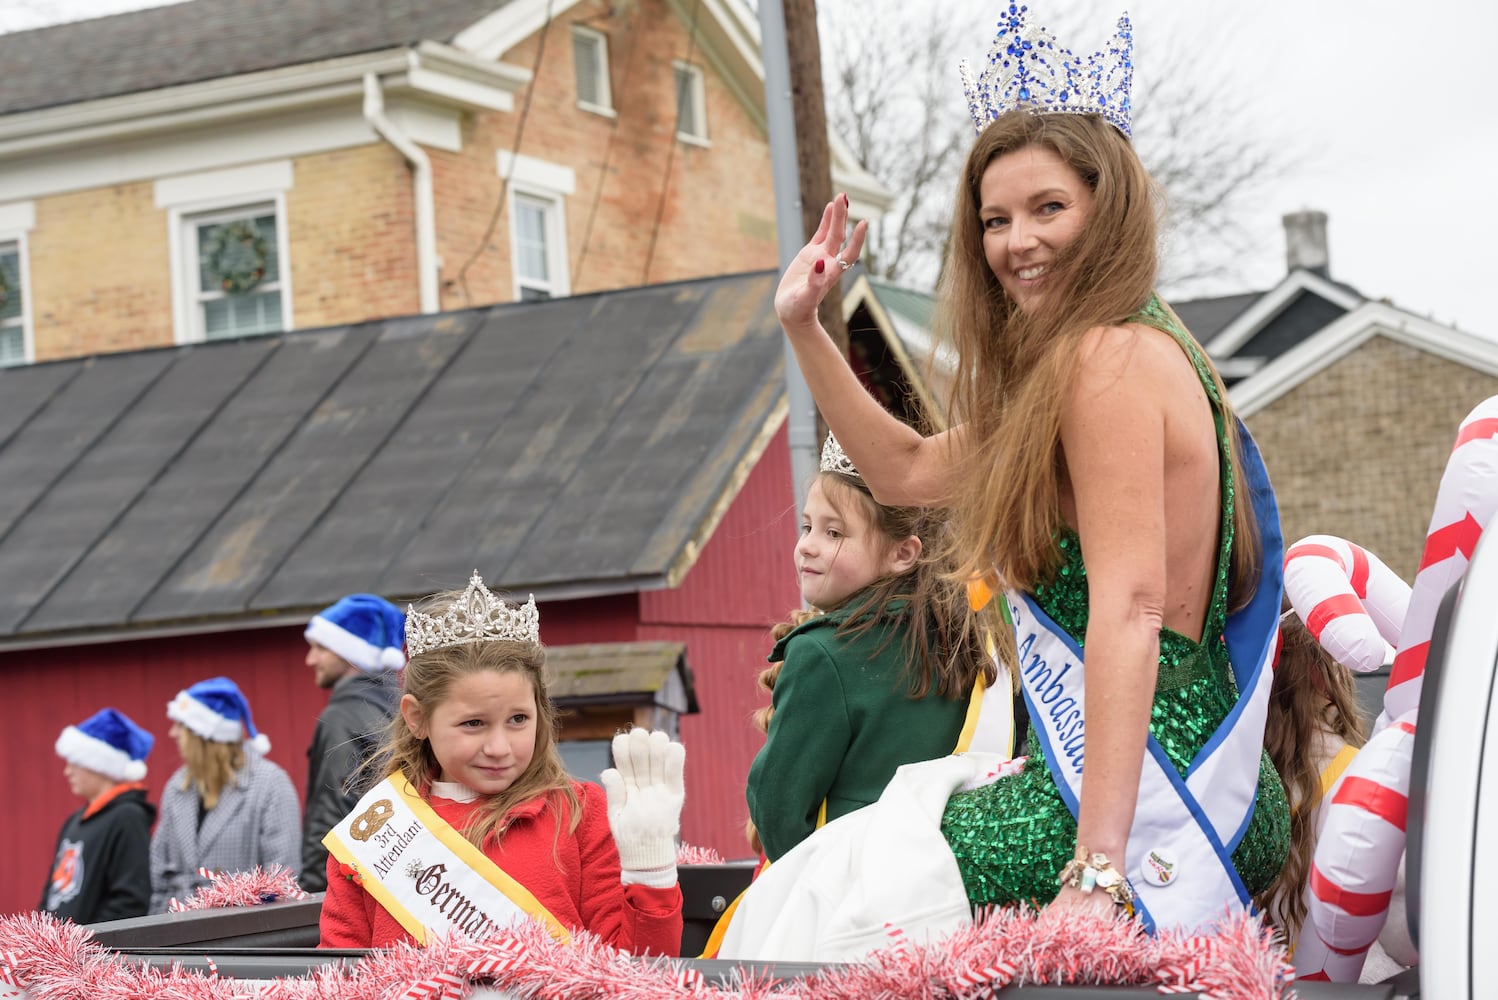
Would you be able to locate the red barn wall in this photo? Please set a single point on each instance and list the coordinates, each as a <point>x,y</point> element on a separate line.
<point>47,689</point>
<point>742,584</point>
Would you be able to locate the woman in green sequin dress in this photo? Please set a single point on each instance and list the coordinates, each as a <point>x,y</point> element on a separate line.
<point>1096,464</point>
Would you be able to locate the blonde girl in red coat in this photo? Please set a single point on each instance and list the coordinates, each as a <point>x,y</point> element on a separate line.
<point>477,825</point>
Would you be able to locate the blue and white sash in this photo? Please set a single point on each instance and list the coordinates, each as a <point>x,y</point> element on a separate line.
<point>1181,843</point>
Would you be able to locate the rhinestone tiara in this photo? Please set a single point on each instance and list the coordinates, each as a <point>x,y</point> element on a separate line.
<point>1028,70</point>
<point>476,616</point>
<point>834,459</point>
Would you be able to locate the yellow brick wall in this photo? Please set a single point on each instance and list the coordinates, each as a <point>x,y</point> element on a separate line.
<point>351,234</point>
<point>1358,449</point>
<point>100,272</point>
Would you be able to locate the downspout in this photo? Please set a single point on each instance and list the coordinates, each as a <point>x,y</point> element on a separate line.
<point>421,177</point>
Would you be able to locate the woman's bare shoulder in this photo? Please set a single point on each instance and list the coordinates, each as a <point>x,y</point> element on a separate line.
<point>1147,358</point>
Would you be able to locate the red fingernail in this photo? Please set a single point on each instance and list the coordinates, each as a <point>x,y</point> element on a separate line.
<point>819,266</point>
<point>845,199</point>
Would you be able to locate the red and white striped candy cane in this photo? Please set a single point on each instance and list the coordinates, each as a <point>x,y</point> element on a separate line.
<point>1357,855</point>
<point>1465,502</point>
<point>1350,601</point>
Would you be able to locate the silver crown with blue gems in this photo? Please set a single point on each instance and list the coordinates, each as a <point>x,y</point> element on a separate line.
<point>1027,70</point>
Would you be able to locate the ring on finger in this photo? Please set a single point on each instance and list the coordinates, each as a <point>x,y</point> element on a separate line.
<point>845,265</point>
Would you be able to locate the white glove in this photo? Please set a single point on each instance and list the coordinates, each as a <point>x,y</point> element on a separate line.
<point>645,794</point>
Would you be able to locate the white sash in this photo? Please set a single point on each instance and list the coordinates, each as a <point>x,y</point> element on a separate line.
<point>1181,842</point>
<point>429,878</point>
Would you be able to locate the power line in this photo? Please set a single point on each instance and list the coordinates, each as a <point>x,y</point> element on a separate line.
<point>660,208</point>
<point>608,152</point>
<point>504,182</point>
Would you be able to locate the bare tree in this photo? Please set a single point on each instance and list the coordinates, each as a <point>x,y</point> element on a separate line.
<point>891,76</point>
<point>895,97</point>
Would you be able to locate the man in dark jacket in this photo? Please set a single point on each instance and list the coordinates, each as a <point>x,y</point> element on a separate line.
<point>101,869</point>
<point>354,647</point>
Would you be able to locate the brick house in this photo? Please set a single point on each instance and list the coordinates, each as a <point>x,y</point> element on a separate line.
<point>353,160</point>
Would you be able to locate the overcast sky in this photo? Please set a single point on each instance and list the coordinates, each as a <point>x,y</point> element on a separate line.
<point>1394,135</point>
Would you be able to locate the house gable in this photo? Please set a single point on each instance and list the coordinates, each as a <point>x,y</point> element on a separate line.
<point>1253,319</point>
<point>1356,447</point>
<point>1344,336</point>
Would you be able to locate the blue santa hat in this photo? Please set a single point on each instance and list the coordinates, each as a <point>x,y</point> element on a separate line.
<point>109,743</point>
<point>216,710</point>
<point>365,630</point>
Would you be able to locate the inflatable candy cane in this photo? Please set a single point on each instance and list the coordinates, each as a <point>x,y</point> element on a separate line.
<point>1357,854</point>
<point>1350,601</point>
<point>1354,605</point>
<point>1357,857</point>
<point>1464,504</point>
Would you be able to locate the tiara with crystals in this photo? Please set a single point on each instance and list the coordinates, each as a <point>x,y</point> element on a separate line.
<point>476,616</point>
<point>834,459</point>
<point>1028,70</point>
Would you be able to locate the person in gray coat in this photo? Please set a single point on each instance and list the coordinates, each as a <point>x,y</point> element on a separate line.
<point>354,647</point>
<point>227,808</point>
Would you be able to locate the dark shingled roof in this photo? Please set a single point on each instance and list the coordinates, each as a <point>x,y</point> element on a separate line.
<point>573,446</point>
<point>207,39</point>
<point>1206,318</point>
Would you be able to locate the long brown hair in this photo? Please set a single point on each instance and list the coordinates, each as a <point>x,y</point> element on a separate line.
<point>1016,366</point>
<point>429,677</point>
<point>208,766</point>
<point>1313,698</point>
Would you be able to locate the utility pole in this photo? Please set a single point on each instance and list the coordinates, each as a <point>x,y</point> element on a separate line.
<point>813,156</point>
<point>800,166</point>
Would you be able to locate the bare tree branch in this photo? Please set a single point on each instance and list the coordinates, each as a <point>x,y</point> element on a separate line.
<point>894,96</point>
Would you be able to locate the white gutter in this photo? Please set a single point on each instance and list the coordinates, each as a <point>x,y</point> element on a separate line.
<point>427,264</point>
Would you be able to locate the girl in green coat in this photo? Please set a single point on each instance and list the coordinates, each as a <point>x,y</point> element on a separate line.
<point>877,675</point>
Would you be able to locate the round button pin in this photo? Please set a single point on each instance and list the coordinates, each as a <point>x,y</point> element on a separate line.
<point>1160,868</point>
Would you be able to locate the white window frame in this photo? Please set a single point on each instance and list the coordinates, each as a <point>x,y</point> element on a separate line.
<point>17,239</point>
<point>233,190</point>
<point>697,135</point>
<point>550,183</point>
<point>17,219</point>
<point>600,45</point>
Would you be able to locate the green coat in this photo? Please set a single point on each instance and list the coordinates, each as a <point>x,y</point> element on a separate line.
<point>843,723</point>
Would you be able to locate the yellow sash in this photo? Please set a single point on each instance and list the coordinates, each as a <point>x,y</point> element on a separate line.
<point>457,886</point>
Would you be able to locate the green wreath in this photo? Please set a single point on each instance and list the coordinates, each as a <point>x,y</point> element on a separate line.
<point>236,256</point>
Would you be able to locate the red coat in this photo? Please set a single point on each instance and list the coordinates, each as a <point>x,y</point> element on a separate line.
<point>579,884</point>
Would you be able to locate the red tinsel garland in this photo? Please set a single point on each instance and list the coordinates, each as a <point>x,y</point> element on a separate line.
<point>252,888</point>
<point>1240,961</point>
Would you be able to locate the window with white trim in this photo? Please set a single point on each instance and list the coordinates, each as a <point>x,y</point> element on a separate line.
<point>536,237</point>
<point>691,103</point>
<point>590,62</point>
<point>12,306</point>
<point>235,262</point>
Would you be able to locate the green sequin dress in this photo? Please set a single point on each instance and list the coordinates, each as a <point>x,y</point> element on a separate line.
<point>1013,836</point>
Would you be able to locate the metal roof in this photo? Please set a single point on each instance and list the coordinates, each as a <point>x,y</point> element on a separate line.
<point>208,39</point>
<point>571,447</point>
<point>618,673</point>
